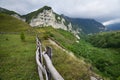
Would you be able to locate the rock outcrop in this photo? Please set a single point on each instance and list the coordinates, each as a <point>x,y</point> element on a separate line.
<point>46,17</point>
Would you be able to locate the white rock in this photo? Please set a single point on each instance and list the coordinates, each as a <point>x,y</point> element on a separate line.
<point>93,78</point>
<point>47,18</point>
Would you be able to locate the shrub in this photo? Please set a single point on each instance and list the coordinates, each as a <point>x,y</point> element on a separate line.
<point>22,36</point>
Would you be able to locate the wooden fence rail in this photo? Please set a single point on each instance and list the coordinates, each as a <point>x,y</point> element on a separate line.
<point>45,66</point>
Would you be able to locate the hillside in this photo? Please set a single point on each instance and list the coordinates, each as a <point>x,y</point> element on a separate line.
<point>113,27</point>
<point>6,11</point>
<point>86,25</point>
<point>105,61</point>
<point>106,39</point>
<point>110,59</point>
<point>19,63</point>
<point>11,24</point>
<point>18,57</point>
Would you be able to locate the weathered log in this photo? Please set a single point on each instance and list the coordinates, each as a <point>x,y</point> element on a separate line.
<point>40,73</point>
<point>53,71</point>
<point>48,69</point>
<point>38,62</point>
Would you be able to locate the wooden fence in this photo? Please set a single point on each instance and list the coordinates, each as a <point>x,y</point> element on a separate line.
<point>45,66</point>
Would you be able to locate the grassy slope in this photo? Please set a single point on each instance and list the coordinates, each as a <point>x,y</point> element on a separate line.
<point>105,61</point>
<point>11,24</point>
<point>14,53</point>
<point>17,58</point>
<point>68,66</point>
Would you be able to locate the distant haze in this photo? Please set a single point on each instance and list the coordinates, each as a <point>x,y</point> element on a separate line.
<point>101,10</point>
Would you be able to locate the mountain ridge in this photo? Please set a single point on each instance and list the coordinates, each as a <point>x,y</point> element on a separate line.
<point>87,25</point>
<point>45,16</point>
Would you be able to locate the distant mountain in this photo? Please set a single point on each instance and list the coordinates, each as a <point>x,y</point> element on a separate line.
<point>113,27</point>
<point>86,25</point>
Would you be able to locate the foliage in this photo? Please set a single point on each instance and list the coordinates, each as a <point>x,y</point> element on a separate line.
<point>101,58</point>
<point>106,39</point>
<point>22,36</point>
<point>68,66</point>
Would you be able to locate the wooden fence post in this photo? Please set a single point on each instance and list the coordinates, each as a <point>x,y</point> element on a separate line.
<point>49,53</point>
<point>48,69</point>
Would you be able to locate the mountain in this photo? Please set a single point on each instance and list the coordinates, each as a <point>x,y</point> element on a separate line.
<point>86,25</point>
<point>12,13</point>
<point>113,27</point>
<point>11,24</point>
<point>5,11</point>
<point>45,16</point>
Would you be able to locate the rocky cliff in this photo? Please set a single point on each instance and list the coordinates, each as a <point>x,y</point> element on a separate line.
<point>46,17</point>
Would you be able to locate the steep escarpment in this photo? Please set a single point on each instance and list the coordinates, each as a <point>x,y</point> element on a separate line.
<point>47,17</point>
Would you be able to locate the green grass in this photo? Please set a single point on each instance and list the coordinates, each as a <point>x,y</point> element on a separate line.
<point>68,66</point>
<point>57,34</point>
<point>11,24</point>
<point>105,61</point>
<point>17,58</point>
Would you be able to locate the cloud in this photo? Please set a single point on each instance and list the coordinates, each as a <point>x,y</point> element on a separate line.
<point>97,9</point>
<point>111,22</point>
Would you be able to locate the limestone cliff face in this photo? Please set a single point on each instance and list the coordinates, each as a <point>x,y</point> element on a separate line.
<point>49,18</point>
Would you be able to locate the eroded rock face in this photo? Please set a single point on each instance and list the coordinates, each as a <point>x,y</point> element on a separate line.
<point>48,18</point>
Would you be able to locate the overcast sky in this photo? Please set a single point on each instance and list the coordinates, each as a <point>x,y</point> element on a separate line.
<point>101,10</point>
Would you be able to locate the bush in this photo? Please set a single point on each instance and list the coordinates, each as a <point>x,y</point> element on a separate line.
<point>22,36</point>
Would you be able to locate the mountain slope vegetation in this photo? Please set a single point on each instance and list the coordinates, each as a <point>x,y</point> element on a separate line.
<point>105,61</point>
<point>11,24</point>
<point>86,25</point>
<point>106,39</point>
<point>5,11</point>
<point>17,57</point>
